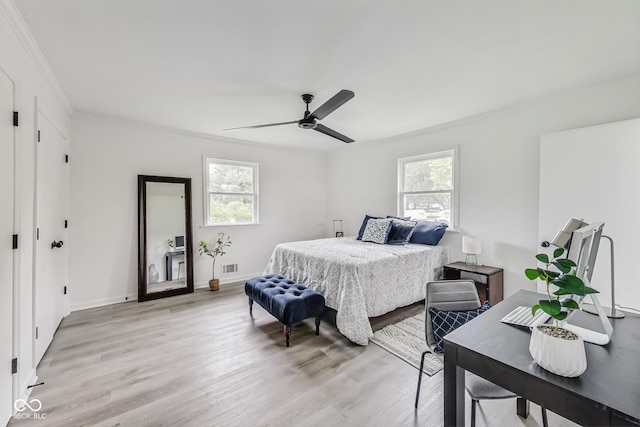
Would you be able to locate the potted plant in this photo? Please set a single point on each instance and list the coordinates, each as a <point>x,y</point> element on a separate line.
<point>215,250</point>
<point>553,347</point>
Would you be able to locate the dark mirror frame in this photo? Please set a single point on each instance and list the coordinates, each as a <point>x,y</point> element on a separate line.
<point>143,295</point>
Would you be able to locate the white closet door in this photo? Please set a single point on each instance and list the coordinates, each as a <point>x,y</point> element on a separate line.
<point>52,207</point>
<point>6,251</point>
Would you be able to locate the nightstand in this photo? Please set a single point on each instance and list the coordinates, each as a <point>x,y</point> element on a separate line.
<point>488,279</point>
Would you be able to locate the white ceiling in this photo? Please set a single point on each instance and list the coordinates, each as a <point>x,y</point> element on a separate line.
<point>205,65</point>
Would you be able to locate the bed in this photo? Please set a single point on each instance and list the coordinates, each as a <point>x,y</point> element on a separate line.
<point>360,279</point>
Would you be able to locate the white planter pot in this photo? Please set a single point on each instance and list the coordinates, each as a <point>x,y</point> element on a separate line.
<point>561,356</point>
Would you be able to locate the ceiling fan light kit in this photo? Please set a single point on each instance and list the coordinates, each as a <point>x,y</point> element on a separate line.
<point>310,120</point>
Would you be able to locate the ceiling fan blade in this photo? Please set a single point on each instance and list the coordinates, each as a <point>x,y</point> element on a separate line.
<point>263,126</point>
<point>332,104</point>
<point>333,133</point>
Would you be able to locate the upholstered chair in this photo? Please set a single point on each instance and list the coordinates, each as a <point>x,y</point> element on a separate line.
<point>460,295</point>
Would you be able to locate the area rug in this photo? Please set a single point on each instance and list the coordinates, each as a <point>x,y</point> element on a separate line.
<point>406,340</point>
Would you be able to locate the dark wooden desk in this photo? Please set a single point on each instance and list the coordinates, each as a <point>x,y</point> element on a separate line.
<point>607,394</point>
<point>169,263</point>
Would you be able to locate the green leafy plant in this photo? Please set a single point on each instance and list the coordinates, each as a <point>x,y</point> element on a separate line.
<point>559,303</point>
<point>215,250</point>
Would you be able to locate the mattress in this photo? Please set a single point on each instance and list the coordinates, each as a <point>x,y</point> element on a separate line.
<point>360,279</point>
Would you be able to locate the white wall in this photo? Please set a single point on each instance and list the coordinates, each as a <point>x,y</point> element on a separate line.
<point>592,174</point>
<point>107,157</point>
<point>21,60</point>
<point>499,161</point>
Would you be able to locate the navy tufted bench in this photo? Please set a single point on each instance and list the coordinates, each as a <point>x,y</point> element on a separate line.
<point>286,300</point>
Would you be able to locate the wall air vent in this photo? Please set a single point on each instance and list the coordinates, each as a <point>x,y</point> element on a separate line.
<point>229,268</point>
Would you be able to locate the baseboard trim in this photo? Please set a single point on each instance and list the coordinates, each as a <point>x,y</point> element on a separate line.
<point>102,302</point>
<point>228,279</point>
<point>83,305</point>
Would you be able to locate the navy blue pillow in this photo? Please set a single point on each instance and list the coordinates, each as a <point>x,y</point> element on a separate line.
<point>364,224</point>
<point>428,232</point>
<point>444,322</point>
<point>401,232</point>
<point>404,218</point>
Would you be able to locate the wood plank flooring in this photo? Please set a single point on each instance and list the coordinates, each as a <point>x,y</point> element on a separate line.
<point>201,360</point>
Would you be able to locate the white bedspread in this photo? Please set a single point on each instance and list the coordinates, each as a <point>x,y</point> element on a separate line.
<point>359,279</point>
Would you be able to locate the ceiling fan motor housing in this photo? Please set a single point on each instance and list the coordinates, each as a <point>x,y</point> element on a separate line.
<point>308,122</point>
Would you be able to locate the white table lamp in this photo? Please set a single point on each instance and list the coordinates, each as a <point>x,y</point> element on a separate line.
<point>471,246</point>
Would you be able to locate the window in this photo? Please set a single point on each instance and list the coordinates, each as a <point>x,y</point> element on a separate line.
<point>230,192</point>
<point>426,187</point>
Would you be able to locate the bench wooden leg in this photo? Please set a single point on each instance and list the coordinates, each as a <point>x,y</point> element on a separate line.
<point>317,325</point>
<point>287,333</point>
<point>250,307</point>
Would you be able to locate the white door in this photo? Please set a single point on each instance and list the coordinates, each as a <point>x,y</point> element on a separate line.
<point>6,246</point>
<point>51,234</point>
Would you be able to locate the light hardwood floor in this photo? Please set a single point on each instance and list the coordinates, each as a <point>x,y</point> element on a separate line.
<point>201,360</point>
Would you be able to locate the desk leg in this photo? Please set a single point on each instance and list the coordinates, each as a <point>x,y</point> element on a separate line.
<point>453,388</point>
<point>522,408</point>
<point>169,267</point>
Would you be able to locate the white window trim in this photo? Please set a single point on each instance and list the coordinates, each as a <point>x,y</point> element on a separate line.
<point>454,192</point>
<point>205,191</point>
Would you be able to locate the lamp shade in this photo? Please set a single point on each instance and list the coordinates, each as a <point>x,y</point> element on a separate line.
<point>471,245</point>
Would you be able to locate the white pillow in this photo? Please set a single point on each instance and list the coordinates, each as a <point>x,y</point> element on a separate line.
<point>377,230</point>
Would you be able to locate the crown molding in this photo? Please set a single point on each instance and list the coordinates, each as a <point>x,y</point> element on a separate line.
<point>153,127</point>
<point>22,32</point>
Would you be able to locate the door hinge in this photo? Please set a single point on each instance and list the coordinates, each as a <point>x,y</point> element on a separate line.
<point>36,332</point>
<point>15,241</point>
<point>66,223</point>
<point>37,233</point>
<point>65,290</point>
<point>38,136</point>
<point>14,365</point>
<point>15,118</point>
<point>66,158</point>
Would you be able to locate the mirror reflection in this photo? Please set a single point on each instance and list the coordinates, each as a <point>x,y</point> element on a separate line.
<point>165,237</point>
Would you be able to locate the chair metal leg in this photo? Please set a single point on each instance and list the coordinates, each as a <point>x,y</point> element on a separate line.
<point>180,264</point>
<point>250,307</point>
<point>545,423</point>
<point>473,412</point>
<point>420,376</point>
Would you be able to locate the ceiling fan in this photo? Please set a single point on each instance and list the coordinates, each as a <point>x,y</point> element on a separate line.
<point>310,120</point>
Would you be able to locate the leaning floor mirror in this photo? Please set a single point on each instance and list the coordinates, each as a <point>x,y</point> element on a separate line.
<point>165,246</point>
